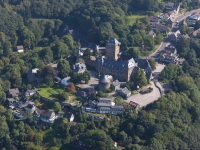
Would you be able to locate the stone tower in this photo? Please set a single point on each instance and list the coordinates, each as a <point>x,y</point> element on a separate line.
<point>104,83</point>
<point>112,49</point>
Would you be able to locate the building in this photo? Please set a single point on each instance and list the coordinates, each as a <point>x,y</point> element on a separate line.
<point>48,116</point>
<point>30,92</point>
<point>116,85</point>
<point>104,83</point>
<point>173,7</point>
<point>79,67</point>
<point>119,70</point>
<point>117,109</point>
<point>112,49</point>
<point>19,113</point>
<point>125,93</point>
<point>65,81</point>
<point>11,103</point>
<point>20,49</point>
<point>192,19</point>
<point>32,74</point>
<point>196,33</point>
<point>162,28</point>
<point>13,92</point>
<point>177,36</point>
<point>69,116</point>
<point>152,33</point>
<point>105,100</point>
<point>164,17</point>
<point>144,64</point>
<point>169,55</point>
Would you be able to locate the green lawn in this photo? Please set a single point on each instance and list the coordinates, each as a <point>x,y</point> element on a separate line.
<point>132,19</point>
<point>49,92</point>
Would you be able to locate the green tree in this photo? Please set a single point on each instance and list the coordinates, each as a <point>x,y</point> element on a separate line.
<point>49,71</point>
<point>149,43</point>
<point>86,76</point>
<point>152,63</point>
<point>63,68</point>
<point>63,96</point>
<point>133,52</point>
<point>158,39</point>
<point>87,52</point>
<point>71,88</point>
<point>49,81</point>
<point>57,107</point>
<point>139,78</point>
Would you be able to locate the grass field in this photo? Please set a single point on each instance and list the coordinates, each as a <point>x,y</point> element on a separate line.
<point>49,92</point>
<point>132,19</point>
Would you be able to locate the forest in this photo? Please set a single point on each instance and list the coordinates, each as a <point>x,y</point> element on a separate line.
<point>171,123</point>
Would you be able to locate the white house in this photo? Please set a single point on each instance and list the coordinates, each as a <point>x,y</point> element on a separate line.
<point>20,49</point>
<point>30,92</point>
<point>69,116</point>
<point>65,81</point>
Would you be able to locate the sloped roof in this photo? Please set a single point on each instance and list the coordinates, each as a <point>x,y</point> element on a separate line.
<point>113,41</point>
<point>104,79</point>
<point>79,67</point>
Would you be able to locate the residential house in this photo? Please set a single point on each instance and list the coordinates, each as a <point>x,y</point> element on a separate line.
<point>19,113</point>
<point>79,67</point>
<point>32,74</point>
<point>152,33</point>
<point>134,104</point>
<point>169,55</point>
<point>192,19</point>
<point>162,28</point>
<point>153,21</point>
<point>170,22</point>
<point>164,17</point>
<point>48,116</point>
<point>172,14</point>
<point>116,85</point>
<point>30,92</point>
<point>11,103</point>
<point>177,36</point>
<point>117,109</point>
<point>196,33</point>
<point>13,92</point>
<point>65,81</point>
<point>58,79</point>
<point>30,107</point>
<point>69,116</point>
<point>125,92</point>
<point>54,66</point>
<point>105,100</point>
<point>173,7</point>
<point>20,49</point>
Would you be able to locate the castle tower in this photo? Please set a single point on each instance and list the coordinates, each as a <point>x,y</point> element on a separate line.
<point>112,49</point>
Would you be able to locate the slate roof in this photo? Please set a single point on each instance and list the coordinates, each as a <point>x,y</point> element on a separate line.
<point>117,107</point>
<point>79,67</point>
<point>68,115</point>
<point>116,83</point>
<point>103,105</point>
<point>47,113</point>
<point>113,41</point>
<point>117,65</point>
<point>104,79</point>
<point>125,91</point>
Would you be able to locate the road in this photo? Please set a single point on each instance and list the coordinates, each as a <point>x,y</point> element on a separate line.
<point>145,99</point>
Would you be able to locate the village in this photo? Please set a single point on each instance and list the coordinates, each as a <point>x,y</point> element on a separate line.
<point>107,78</point>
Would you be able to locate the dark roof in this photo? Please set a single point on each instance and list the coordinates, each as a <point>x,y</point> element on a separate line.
<point>103,105</point>
<point>108,108</point>
<point>30,106</point>
<point>117,65</point>
<point>47,113</point>
<point>125,91</point>
<point>117,107</point>
<point>161,27</point>
<point>153,19</point>
<point>144,64</point>
<point>104,79</point>
<point>113,41</point>
<point>68,115</point>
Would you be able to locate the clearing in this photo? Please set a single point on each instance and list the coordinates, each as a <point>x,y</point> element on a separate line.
<point>50,92</point>
<point>132,19</point>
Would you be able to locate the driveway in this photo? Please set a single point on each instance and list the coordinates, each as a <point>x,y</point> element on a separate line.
<point>145,99</point>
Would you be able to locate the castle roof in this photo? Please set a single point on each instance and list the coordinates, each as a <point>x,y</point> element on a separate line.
<point>113,41</point>
<point>104,79</point>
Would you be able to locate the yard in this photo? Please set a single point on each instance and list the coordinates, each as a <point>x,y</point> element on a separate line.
<point>50,92</point>
<point>132,19</point>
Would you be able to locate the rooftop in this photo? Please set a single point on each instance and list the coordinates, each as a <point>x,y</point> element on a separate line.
<point>125,91</point>
<point>103,105</point>
<point>113,41</point>
<point>116,83</point>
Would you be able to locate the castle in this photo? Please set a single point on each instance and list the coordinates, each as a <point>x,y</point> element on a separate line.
<point>108,64</point>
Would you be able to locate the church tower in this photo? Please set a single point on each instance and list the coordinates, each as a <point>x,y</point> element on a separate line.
<point>112,49</point>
